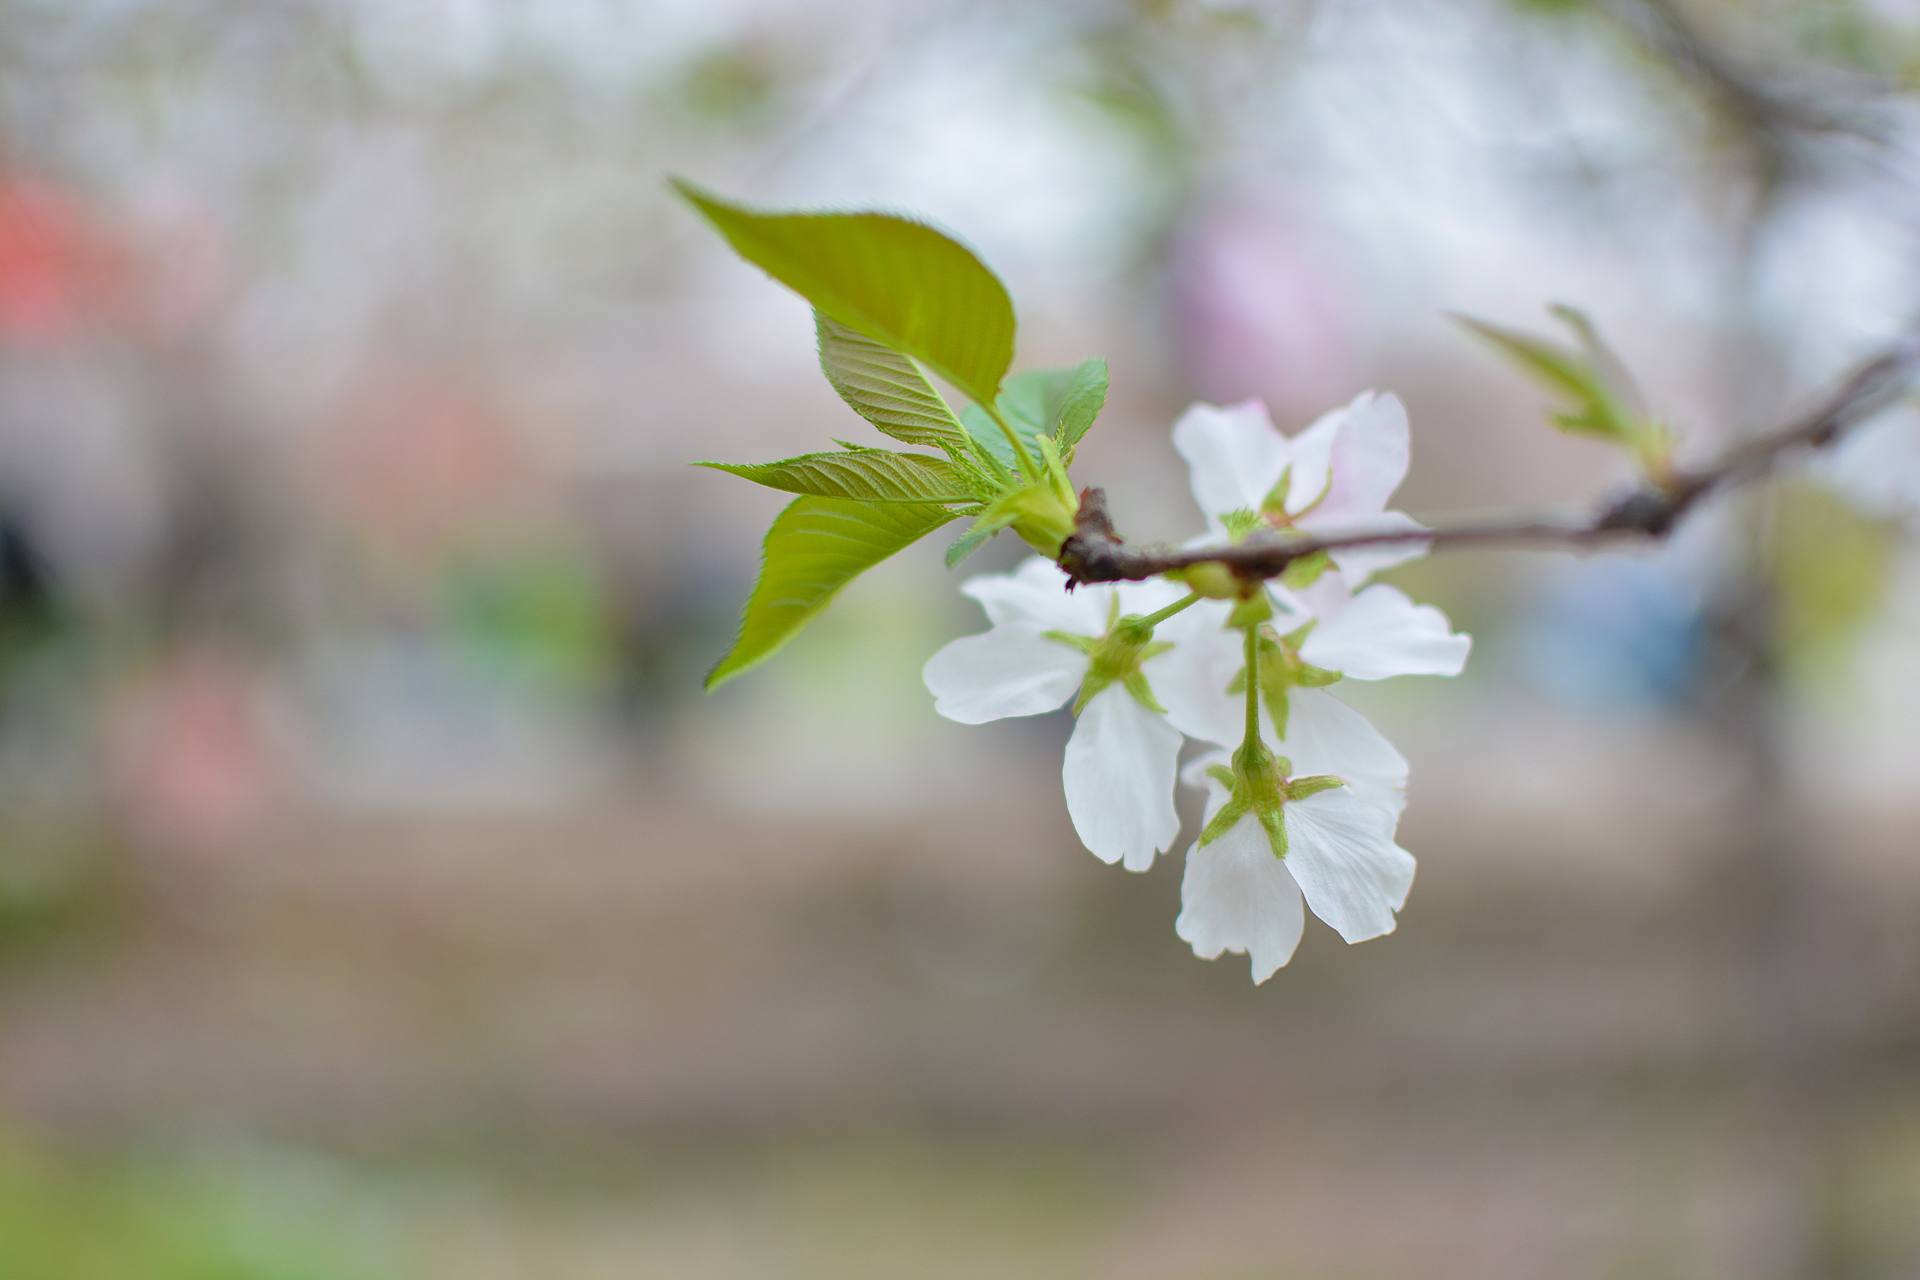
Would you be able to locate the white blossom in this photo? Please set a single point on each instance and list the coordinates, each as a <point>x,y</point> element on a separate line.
<point>1303,816</point>
<point>1338,474</point>
<point>1373,634</point>
<point>1123,753</point>
<point>1238,895</point>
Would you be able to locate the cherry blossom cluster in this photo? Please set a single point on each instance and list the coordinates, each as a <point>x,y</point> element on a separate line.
<point>1238,641</point>
<point>1302,795</point>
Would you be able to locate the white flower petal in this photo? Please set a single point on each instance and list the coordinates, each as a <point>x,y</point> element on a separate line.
<point>1236,896</point>
<point>1234,455</point>
<point>1035,594</point>
<point>1325,735</point>
<point>1008,671</point>
<point>1328,595</point>
<point>1191,679</point>
<point>1118,775</point>
<point>1311,453</point>
<point>1369,458</point>
<point>1194,774</point>
<point>1358,564</point>
<point>1341,852</point>
<point>1381,633</point>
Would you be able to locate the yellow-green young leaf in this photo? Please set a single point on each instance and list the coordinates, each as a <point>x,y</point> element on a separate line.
<point>1061,403</point>
<point>1065,400</point>
<point>864,475</point>
<point>895,280</point>
<point>1594,410</point>
<point>815,547</point>
<point>886,388</point>
<point>1604,360</point>
<point>977,536</point>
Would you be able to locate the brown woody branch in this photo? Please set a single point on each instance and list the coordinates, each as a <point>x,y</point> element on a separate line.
<point>1095,552</point>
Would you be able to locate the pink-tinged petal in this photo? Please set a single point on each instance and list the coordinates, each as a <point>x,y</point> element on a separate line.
<point>1234,456</point>
<point>1381,633</point>
<point>1371,450</point>
<point>1325,735</point>
<point>1340,851</point>
<point>1008,671</point>
<point>1118,775</point>
<point>1236,896</point>
<point>1035,594</point>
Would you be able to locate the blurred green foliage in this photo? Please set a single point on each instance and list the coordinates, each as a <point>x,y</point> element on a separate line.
<point>79,1221</point>
<point>1831,567</point>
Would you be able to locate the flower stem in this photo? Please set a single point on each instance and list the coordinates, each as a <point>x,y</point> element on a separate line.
<point>1159,616</point>
<point>1253,688</point>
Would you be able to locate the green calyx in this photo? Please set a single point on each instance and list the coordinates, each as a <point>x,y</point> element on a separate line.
<point>1117,656</point>
<point>1273,508</point>
<point>1214,581</point>
<point>1281,670</point>
<point>1273,518</point>
<point>1042,509</point>
<point>1257,783</point>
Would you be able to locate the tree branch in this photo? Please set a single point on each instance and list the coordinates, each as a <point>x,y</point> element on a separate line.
<point>1096,553</point>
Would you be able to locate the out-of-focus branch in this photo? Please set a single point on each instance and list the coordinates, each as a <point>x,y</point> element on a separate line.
<point>1764,102</point>
<point>1096,553</point>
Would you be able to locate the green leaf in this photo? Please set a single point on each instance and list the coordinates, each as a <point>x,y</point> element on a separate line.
<point>893,280</point>
<point>977,535</point>
<point>1594,410</point>
<point>1603,360</point>
<point>815,547</point>
<point>1065,400</point>
<point>1560,368</point>
<point>1061,403</point>
<point>886,388</point>
<point>863,475</point>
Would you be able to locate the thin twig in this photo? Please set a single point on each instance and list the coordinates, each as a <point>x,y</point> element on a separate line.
<point>1096,553</point>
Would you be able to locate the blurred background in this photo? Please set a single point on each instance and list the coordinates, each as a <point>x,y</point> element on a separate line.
<point>380,898</point>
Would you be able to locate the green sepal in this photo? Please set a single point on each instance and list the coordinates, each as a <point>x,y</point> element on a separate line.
<point>1136,684</point>
<point>1116,658</point>
<point>1239,524</point>
<point>1274,822</point>
<point>1313,785</point>
<point>1304,572</point>
<point>1222,822</point>
<point>1085,644</point>
<point>1274,697</point>
<point>1275,503</point>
